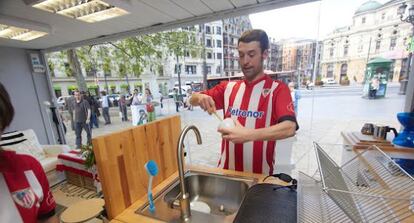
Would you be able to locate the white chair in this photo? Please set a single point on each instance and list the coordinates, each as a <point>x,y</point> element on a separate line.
<point>26,142</point>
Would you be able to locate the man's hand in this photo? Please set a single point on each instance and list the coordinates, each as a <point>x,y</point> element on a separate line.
<point>237,134</point>
<point>204,101</point>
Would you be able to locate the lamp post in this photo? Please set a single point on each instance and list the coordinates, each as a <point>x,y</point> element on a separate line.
<point>408,19</point>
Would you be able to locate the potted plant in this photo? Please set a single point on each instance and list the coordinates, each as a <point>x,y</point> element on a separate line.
<point>87,153</point>
<point>345,81</point>
<point>318,81</point>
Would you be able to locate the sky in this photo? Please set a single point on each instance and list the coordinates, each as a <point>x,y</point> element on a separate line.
<point>302,21</point>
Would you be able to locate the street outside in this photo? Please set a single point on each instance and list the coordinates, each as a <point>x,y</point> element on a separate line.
<point>323,113</point>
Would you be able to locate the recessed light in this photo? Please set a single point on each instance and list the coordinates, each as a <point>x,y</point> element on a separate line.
<point>85,10</point>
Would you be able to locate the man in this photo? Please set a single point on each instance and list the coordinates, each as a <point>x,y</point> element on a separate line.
<point>24,189</point>
<point>374,87</point>
<point>94,110</point>
<point>261,107</point>
<point>105,108</point>
<point>176,99</point>
<point>82,113</point>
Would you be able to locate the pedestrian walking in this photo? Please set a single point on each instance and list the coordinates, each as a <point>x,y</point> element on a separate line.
<point>149,105</point>
<point>176,99</point>
<point>105,108</point>
<point>135,106</point>
<point>94,110</point>
<point>123,108</point>
<point>82,112</point>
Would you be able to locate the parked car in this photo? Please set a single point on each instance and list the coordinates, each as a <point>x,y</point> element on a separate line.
<point>113,98</point>
<point>61,101</point>
<point>328,81</point>
<point>183,91</point>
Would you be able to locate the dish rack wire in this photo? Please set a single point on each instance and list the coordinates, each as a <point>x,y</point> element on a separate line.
<point>370,187</point>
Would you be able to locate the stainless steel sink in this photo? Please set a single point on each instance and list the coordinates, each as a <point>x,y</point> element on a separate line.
<point>213,197</point>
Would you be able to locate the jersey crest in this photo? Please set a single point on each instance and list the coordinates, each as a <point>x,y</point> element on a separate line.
<point>25,198</point>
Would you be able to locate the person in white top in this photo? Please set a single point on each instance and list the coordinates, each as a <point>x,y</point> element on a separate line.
<point>105,108</point>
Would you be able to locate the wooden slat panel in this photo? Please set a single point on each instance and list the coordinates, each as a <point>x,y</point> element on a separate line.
<point>121,156</point>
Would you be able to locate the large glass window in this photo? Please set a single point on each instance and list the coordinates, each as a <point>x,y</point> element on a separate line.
<point>218,28</point>
<point>393,42</point>
<point>329,70</point>
<point>208,43</point>
<point>346,47</point>
<point>378,45</point>
<point>218,43</point>
<point>190,69</point>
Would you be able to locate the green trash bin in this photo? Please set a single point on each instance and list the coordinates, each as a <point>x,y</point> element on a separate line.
<point>376,77</point>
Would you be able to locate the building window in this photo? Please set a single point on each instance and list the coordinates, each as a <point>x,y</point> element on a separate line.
<point>393,43</point>
<point>378,45</point>
<point>187,53</point>
<point>331,52</point>
<point>208,69</point>
<point>363,20</point>
<point>177,68</point>
<point>218,30</point>
<point>208,43</point>
<point>208,30</point>
<point>219,56</point>
<point>360,48</point>
<point>346,50</point>
<point>329,70</point>
<point>190,69</point>
<point>344,70</point>
<point>209,55</point>
<point>218,43</point>
<point>383,16</point>
<point>218,69</point>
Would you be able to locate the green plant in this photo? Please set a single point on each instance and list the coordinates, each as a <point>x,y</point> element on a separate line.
<point>87,153</point>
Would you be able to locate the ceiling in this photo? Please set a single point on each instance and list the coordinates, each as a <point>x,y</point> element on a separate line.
<point>145,16</point>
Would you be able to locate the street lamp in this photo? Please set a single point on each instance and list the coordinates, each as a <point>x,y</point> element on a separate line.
<point>401,12</point>
<point>408,19</point>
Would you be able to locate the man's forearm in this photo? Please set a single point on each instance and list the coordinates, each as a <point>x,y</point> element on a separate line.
<point>89,115</point>
<point>281,130</point>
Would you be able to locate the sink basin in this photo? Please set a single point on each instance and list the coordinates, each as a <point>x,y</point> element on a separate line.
<point>213,198</point>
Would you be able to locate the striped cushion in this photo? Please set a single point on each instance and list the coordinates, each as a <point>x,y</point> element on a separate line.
<point>12,138</point>
<point>23,142</point>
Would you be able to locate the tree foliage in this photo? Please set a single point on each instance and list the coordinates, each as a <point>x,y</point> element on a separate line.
<point>131,55</point>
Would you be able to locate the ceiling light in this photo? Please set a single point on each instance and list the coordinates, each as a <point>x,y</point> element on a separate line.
<point>20,29</point>
<point>85,10</point>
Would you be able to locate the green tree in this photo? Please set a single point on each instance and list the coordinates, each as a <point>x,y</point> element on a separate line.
<point>76,69</point>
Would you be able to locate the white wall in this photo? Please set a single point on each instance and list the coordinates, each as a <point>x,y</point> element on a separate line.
<point>28,91</point>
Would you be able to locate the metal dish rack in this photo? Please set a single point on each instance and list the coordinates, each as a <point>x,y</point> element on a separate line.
<point>370,187</point>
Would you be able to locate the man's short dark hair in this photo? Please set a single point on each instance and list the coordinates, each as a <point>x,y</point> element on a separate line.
<point>255,35</point>
<point>6,109</point>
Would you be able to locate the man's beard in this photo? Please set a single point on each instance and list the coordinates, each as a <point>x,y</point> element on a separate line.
<point>252,72</point>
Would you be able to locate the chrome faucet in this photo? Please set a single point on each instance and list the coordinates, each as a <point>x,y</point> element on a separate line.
<point>184,198</point>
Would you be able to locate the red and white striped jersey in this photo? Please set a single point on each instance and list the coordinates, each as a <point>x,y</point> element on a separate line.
<point>24,189</point>
<point>259,104</point>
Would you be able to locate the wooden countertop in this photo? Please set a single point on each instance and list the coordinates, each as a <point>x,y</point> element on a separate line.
<point>360,142</point>
<point>129,214</point>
